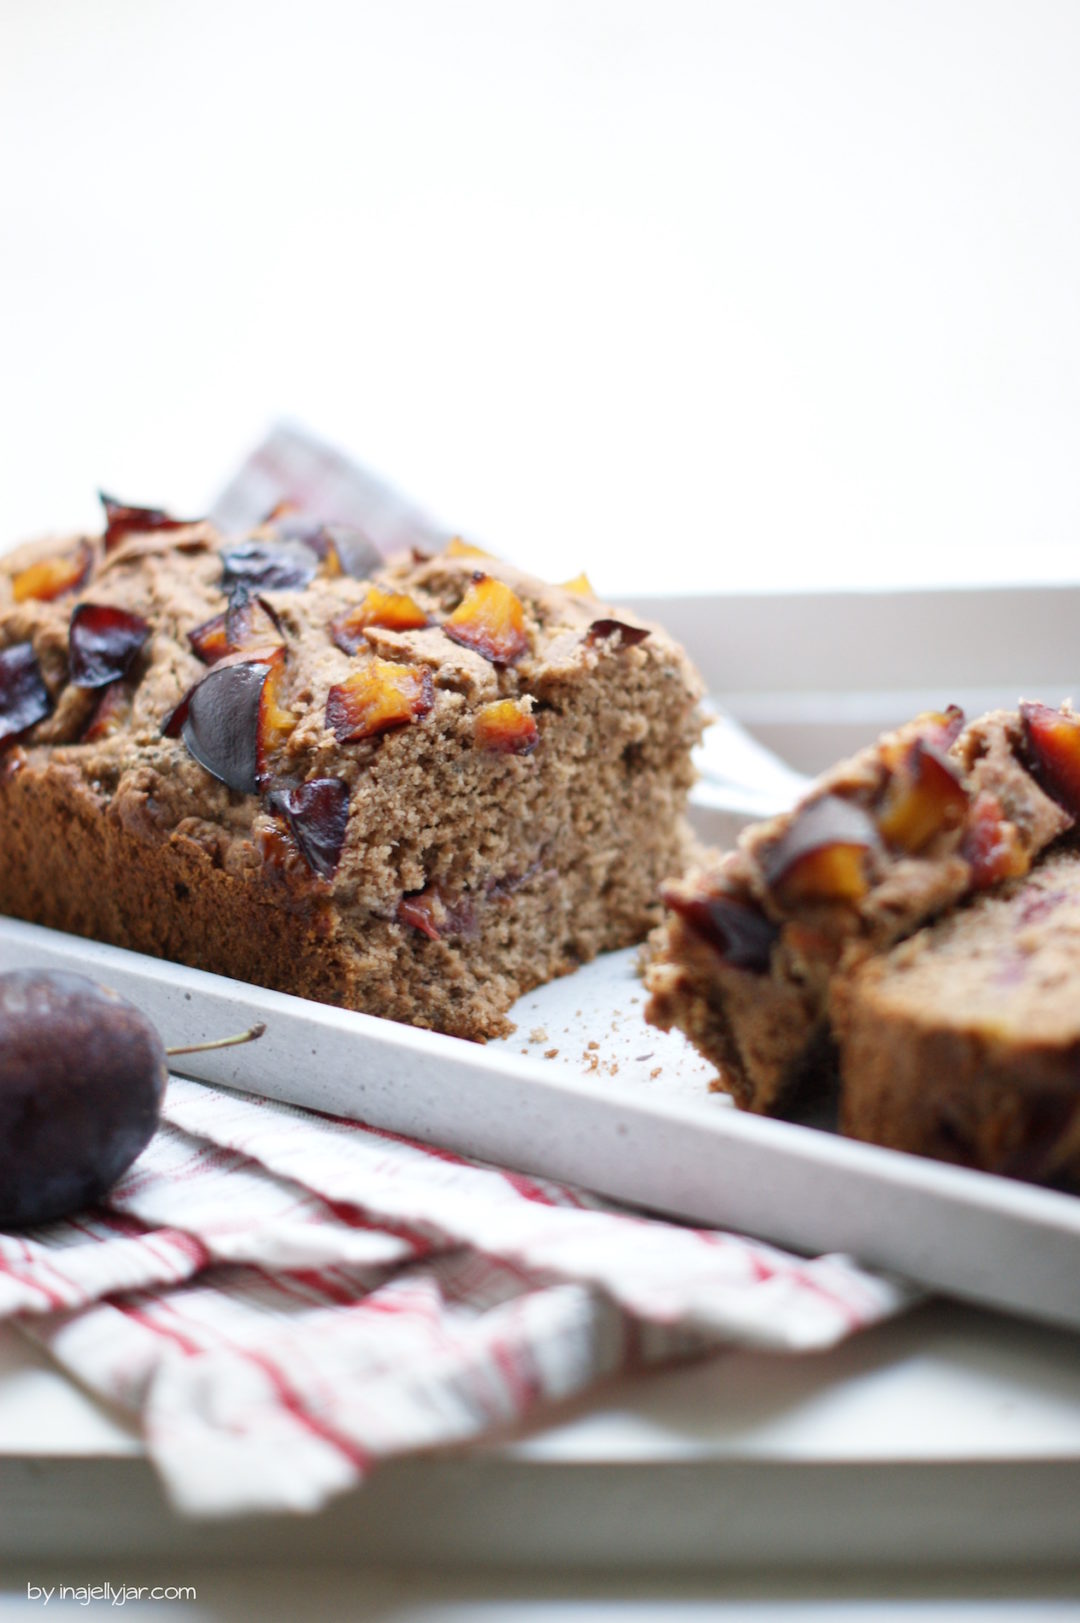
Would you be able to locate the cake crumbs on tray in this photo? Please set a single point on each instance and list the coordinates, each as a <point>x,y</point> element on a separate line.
<point>538,1035</point>
<point>550,1053</point>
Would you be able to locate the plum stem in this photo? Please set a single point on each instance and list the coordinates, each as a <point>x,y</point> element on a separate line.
<point>221,1042</point>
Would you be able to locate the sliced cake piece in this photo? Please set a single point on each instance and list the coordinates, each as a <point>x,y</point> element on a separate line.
<point>963,1042</point>
<point>417,793</point>
<point>930,814</point>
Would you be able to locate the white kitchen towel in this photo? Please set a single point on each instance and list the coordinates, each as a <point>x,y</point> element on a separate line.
<point>284,1299</point>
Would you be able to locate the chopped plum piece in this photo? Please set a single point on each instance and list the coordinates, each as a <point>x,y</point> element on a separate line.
<point>24,698</point>
<point>427,912</point>
<point>733,924</point>
<point>274,723</point>
<point>490,619</point>
<point>52,577</point>
<point>218,718</point>
<point>380,695</point>
<point>457,548</point>
<point>991,844</point>
<point>924,796</point>
<point>821,856</point>
<point>506,728</point>
<point>343,549</point>
<point>270,566</point>
<point>122,520</point>
<point>627,636</point>
<point>394,611</point>
<point>248,622</point>
<point>1053,740</point>
<point>110,713</point>
<point>580,586</point>
<point>317,814</point>
<point>102,643</point>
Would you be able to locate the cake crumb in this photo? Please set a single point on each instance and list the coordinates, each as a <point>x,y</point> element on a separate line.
<point>538,1035</point>
<point>655,1072</point>
<point>550,1053</point>
<point>592,1045</point>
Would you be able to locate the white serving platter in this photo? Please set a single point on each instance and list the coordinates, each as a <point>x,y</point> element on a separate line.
<point>619,1109</point>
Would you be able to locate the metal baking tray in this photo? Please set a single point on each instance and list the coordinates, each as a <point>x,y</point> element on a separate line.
<point>586,1092</point>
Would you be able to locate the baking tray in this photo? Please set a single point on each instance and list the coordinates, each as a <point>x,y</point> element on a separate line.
<point>586,1092</point>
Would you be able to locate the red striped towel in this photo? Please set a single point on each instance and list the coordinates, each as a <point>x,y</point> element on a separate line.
<point>283,1299</point>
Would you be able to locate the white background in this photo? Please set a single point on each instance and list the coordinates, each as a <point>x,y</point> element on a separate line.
<point>744,294</point>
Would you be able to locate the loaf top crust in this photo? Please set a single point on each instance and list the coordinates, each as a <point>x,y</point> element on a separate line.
<point>574,649</point>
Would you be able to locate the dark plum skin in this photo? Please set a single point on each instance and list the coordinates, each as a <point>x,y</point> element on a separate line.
<point>629,636</point>
<point>82,1073</point>
<point>24,698</point>
<point>218,719</point>
<point>269,566</point>
<point>102,643</point>
<point>317,814</point>
<point>122,520</point>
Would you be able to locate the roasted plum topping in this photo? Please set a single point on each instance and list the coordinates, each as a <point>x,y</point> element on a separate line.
<point>269,566</point>
<point>274,724</point>
<point>110,713</point>
<point>457,548</point>
<point>626,636</point>
<point>317,814</point>
<point>1052,738</point>
<point>248,622</point>
<point>378,696</point>
<point>122,520</point>
<point>102,643</point>
<point>342,549</point>
<point>733,924</point>
<point>942,727</point>
<point>354,553</point>
<point>427,912</point>
<point>52,577</point>
<point>490,619</point>
<point>580,586</point>
<point>938,730</point>
<point>923,797</point>
<point>991,844</point>
<point>218,718</point>
<point>506,728</point>
<point>821,856</point>
<point>24,698</point>
<point>173,723</point>
<point>393,611</point>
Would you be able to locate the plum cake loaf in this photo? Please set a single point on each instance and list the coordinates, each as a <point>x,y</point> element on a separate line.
<point>935,812</point>
<point>416,788</point>
<point>963,1042</point>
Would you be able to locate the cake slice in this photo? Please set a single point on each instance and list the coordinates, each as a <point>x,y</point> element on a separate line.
<point>928,815</point>
<point>416,788</point>
<point>963,1042</point>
